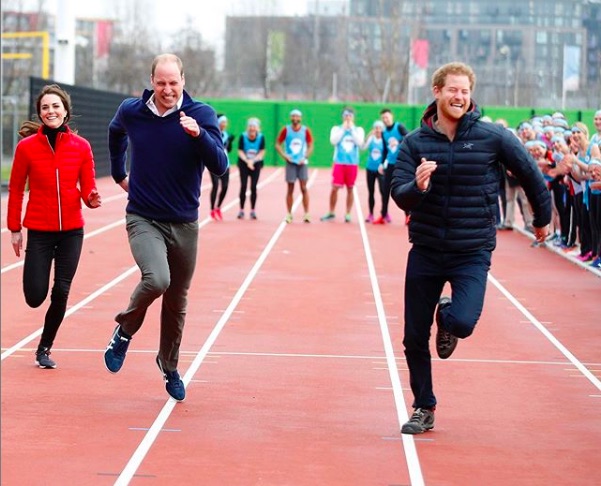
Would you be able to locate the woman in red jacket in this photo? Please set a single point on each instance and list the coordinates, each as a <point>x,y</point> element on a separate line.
<point>58,165</point>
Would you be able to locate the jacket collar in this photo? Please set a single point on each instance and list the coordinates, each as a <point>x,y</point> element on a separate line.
<point>472,114</point>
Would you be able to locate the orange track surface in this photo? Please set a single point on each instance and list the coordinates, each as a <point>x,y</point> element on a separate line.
<point>292,357</point>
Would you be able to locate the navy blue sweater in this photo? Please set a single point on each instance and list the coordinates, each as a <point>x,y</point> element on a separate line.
<point>458,211</point>
<point>166,163</point>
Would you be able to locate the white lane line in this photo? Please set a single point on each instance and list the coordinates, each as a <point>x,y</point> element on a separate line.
<point>7,268</point>
<point>140,453</point>
<point>110,226</point>
<point>72,310</point>
<point>401,361</point>
<point>96,232</point>
<point>415,473</point>
<point>534,321</point>
<point>112,283</point>
<point>121,221</point>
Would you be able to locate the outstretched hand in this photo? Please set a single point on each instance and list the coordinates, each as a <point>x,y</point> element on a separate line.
<point>189,124</point>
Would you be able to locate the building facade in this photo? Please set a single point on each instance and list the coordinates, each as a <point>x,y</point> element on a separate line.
<point>518,48</point>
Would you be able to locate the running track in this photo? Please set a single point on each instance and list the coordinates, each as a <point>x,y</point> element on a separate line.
<point>293,363</point>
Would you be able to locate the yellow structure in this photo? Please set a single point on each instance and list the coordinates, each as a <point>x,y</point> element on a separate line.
<point>45,49</point>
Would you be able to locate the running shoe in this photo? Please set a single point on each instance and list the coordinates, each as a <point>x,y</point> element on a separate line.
<point>42,358</point>
<point>218,214</point>
<point>213,214</point>
<point>387,218</point>
<point>173,383</point>
<point>421,421</point>
<point>328,217</point>
<point>114,356</point>
<point>587,257</point>
<point>347,218</point>
<point>596,263</point>
<point>407,219</point>
<point>240,215</point>
<point>289,218</point>
<point>253,215</point>
<point>307,218</point>
<point>445,341</point>
<point>369,219</point>
<point>380,220</point>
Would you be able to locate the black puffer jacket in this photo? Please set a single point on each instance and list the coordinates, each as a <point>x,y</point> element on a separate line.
<point>458,211</point>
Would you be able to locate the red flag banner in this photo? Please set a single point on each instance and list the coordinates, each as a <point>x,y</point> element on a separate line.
<point>104,32</point>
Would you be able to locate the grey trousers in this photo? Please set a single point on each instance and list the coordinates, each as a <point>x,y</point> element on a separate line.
<point>166,254</point>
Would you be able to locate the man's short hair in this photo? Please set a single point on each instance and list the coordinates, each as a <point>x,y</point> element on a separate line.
<point>455,68</point>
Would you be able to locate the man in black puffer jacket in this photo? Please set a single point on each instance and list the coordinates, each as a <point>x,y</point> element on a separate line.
<point>447,177</point>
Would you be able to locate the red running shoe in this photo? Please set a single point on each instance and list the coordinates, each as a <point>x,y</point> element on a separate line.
<point>218,214</point>
<point>380,220</point>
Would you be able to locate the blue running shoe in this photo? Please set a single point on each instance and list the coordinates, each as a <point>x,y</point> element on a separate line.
<point>173,383</point>
<point>116,350</point>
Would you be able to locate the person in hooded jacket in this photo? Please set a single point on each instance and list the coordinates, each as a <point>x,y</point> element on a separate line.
<point>57,165</point>
<point>447,175</point>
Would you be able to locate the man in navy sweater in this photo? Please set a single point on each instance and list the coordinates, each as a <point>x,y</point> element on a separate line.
<point>172,138</point>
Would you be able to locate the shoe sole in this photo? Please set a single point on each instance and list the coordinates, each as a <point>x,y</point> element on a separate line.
<point>43,367</point>
<point>406,429</point>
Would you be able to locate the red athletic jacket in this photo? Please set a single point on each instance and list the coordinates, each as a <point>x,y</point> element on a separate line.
<point>58,181</point>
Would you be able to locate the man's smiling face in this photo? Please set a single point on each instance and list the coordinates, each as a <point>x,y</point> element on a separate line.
<point>453,99</point>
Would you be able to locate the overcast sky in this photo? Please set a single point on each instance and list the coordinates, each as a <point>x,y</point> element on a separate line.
<point>208,16</point>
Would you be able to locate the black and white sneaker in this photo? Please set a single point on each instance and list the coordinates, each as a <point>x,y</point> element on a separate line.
<point>421,421</point>
<point>42,358</point>
<point>173,383</point>
<point>445,341</point>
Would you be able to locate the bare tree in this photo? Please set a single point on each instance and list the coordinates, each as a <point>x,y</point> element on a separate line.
<point>133,48</point>
<point>199,60</point>
<point>379,54</point>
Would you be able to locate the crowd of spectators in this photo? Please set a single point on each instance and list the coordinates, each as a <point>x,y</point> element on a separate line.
<point>569,158</point>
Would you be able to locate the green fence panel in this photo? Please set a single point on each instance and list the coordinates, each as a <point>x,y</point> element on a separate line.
<point>320,117</point>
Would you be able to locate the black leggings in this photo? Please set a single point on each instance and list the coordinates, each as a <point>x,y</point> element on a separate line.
<point>64,247</point>
<point>225,181</point>
<point>387,186</point>
<point>584,224</point>
<point>372,177</point>
<point>245,174</point>
<point>595,219</point>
